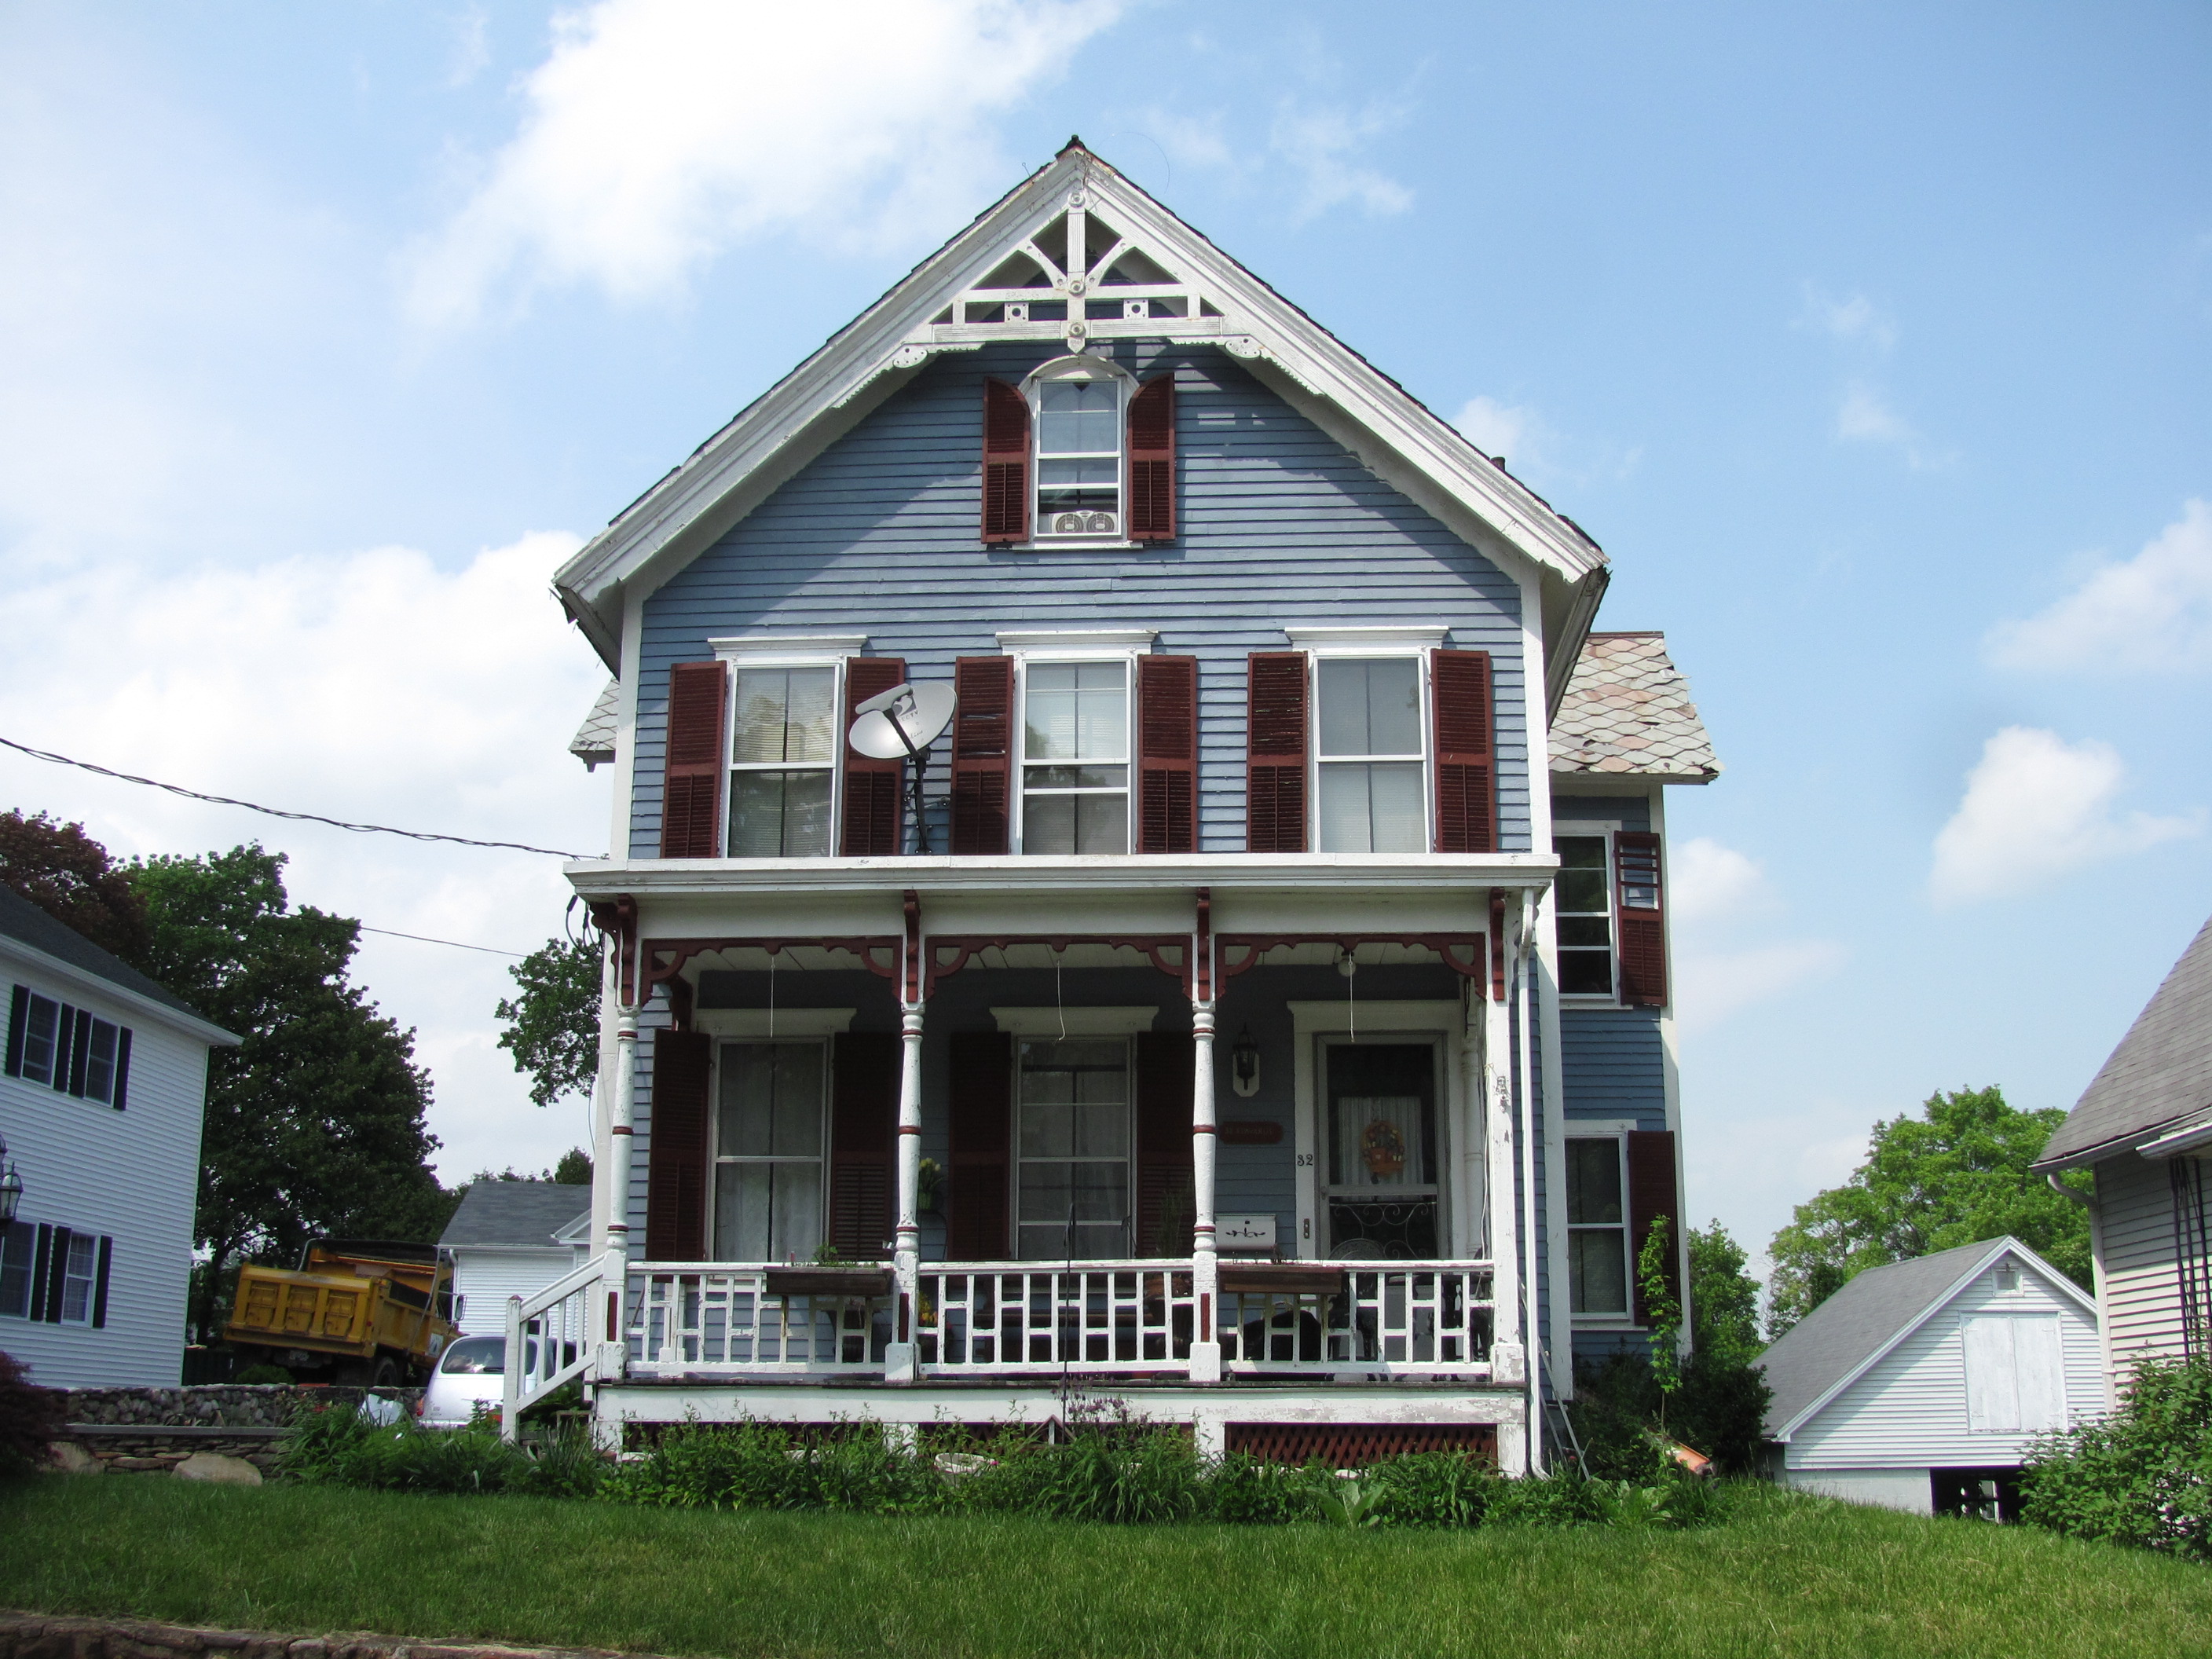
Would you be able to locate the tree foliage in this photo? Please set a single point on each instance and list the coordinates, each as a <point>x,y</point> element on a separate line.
<point>70,876</point>
<point>314,1123</point>
<point>553,1019</point>
<point>1958,1174</point>
<point>1724,1299</point>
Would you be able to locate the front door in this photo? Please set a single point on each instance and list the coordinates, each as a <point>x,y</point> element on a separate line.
<point>1381,1167</point>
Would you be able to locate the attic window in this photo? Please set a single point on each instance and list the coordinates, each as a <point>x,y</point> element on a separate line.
<point>2008,1279</point>
<point>1078,451</point>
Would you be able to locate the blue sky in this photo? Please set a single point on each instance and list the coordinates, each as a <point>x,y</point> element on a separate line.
<point>1870,341</point>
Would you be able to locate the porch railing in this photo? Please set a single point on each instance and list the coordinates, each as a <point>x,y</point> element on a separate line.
<point>1408,1318</point>
<point>548,1341</point>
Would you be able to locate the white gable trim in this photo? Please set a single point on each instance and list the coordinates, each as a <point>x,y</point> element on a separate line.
<point>1989,1258</point>
<point>774,436</point>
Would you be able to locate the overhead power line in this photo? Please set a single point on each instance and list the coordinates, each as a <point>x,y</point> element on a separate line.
<point>297,817</point>
<point>424,938</point>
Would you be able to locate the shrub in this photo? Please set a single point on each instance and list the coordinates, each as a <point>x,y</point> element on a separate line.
<point>1436,1489</point>
<point>31,1418</point>
<point>337,1446</point>
<point>1718,1407</point>
<point>2142,1476</point>
<point>1247,1492</point>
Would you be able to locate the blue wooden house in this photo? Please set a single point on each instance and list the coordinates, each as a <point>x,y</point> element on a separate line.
<point>1258,1014</point>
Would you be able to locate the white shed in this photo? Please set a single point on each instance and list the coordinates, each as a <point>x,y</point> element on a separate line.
<point>1919,1385</point>
<point>513,1238</point>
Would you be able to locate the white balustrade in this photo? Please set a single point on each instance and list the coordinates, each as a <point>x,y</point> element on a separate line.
<point>991,1317</point>
<point>549,1341</point>
<point>1384,1318</point>
<point>686,1318</point>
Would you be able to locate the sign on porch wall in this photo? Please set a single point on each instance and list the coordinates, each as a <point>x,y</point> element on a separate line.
<point>1250,1131</point>
<point>1245,1232</point>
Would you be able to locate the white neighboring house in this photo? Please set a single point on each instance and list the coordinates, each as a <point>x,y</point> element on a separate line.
<point>1919,1385</point>
<point>513,1238</point>
<point>101,1102</point>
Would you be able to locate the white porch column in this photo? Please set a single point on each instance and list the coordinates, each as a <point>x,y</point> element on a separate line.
<point>622,1132</point>
<point>1205,1279</point>
<point>905,1251</point>
<point>1508,1351</point>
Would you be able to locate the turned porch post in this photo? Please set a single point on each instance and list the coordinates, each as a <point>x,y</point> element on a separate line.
<point>899,1364</point>
<point>1206,1278</point>
<point>614,1283</point>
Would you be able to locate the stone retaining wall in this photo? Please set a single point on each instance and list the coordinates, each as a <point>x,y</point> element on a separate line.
<point>159,1430</point>
<point>36,1635</point>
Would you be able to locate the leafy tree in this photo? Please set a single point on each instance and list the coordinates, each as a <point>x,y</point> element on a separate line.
<point>1955,1176</point>
<point>574,1169</point>
<point>553,1019</point>
<point>1724,1299</point>
<point>70,876</point>
<point>315,1121</point>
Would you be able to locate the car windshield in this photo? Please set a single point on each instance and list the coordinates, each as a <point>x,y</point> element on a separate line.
<point>477,1356</point>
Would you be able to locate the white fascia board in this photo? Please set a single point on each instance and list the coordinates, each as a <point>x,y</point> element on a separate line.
<point>772,438</point>
<point>1117,641</point>
<point>2185,1136</point>
<point>1935,1305</point>
<point>1325,637</point>
<point>1332,873</point>
<point>52,968</point>
<point>795,647</point>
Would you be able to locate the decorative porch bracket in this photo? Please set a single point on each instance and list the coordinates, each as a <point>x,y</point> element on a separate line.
<point>1462,953</point>
<point>678,953</point>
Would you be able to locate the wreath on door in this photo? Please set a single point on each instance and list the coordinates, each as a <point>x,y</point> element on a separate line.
<point>1384,1148</point>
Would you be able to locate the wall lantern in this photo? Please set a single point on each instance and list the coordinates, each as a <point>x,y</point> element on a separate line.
<point>11,1187</point>
<point>1244,1065</point>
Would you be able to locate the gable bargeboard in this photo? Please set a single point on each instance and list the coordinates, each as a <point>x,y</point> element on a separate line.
<point>1278,524</point>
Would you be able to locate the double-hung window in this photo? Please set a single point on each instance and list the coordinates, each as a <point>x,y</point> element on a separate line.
<point>1079,454</point>
<point>768,1150</point>
<point>1370,755</point>
<point>19,1249</point>
<point>1073,1187</point>
<point>43,1056</point>
<point>783,761</point>
<point>67,1049</point>
<point>1075,757</point>
<point>1597,1226</point>
<point>1584,896</point>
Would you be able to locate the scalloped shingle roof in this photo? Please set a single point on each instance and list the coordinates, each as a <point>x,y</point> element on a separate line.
<point>1627,713</point>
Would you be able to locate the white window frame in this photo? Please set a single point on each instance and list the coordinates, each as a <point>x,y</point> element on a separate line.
<point>1041,649</point>
<point>1606,829</point>
<point>1413,641</point>
<point>1033,390</point>
<point>1119,1027</point>
<point>796,1032</point>
<point>791,651</point>
<point>1616,1130</point>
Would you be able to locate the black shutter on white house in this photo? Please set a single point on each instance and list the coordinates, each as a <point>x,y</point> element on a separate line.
<point>1640,913</point>
<point>1275,726</point>
<point>874,815</point>
<point>1167,753</point>
<point>983,754</point>
<point>692,797</point>
<point>19,1021</point>
<point>1006,463</point>
<point>1151,461</point>
<point>1466,766</point>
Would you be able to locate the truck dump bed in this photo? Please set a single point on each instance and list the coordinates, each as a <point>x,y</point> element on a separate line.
<point>350,1302</point>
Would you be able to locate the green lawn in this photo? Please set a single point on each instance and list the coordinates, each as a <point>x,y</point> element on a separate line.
<point>1787,1576</point>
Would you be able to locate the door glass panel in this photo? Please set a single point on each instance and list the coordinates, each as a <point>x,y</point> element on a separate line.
<point>1382,1183</point>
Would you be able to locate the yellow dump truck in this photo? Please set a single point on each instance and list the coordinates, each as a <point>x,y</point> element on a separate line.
<point>355,1311</point>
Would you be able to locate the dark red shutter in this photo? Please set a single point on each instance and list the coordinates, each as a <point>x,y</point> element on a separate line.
<point>691,799</point>
<point>1167,753</point>
<point>676,1165</point>
<point>1467,765</point>
<point>1164,1144</point>
<point>1639,910</point>
<point>983,753</point>
<point>872,814</point>
<point>1275,757</point>
<point>977,1228</point>
<point>1006,463</point>
<point>863,1142</point>
<point>99,1283</point>
<point>1151,515</point>
<point>1650,1195</point>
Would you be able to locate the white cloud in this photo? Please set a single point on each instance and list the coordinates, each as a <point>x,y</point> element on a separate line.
<point>2035,808</point>
<point>1855,319</point>
<point>1320,142</point>
<point>1710,883</point>
<point>471,51</point>
<point>1508,431</point>
<point>660,132</point>
<point>2152,613</point>
<point>1864,417</point>
<point>1717,896</point>
<point>370,686</point>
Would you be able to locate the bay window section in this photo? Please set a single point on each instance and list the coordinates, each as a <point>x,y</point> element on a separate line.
<point>1584,900</point>
<point>768,1152</point>
<point>1072,1151</point>
<point>1075,758</point>
<point>1079,456</point>
<point>1372,757</point>
<point>1597,1227</point>
<point>783,756</point>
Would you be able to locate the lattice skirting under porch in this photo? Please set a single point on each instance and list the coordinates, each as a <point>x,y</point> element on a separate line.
<point>1350,1445</point>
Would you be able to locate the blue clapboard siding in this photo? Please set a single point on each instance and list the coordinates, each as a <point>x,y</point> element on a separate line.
<point>1613,1065</point>
<point>1278,524</point>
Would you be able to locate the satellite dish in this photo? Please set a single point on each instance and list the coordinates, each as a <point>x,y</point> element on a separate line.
<point>901,723</point>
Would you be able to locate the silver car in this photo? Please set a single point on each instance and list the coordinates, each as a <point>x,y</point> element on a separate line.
<point>472,1373</point>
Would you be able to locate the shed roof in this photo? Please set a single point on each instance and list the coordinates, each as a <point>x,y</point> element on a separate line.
<point>595,742</point>
<point>26,923</point>
<point>2159,1077</point>
<point>515,1212</point>
<point>1627,713</point>
<point>1840,1339</point>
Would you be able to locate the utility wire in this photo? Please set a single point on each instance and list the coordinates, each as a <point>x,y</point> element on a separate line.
<point>424,938</point>
<point>300,817</point>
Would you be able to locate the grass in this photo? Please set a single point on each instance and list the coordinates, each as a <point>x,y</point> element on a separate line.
<point>1784,1575</point>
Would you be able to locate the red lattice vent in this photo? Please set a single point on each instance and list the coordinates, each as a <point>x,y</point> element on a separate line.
<point>1350,1445</point>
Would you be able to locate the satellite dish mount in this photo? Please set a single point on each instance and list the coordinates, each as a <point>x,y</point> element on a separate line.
<point>900,724</point>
